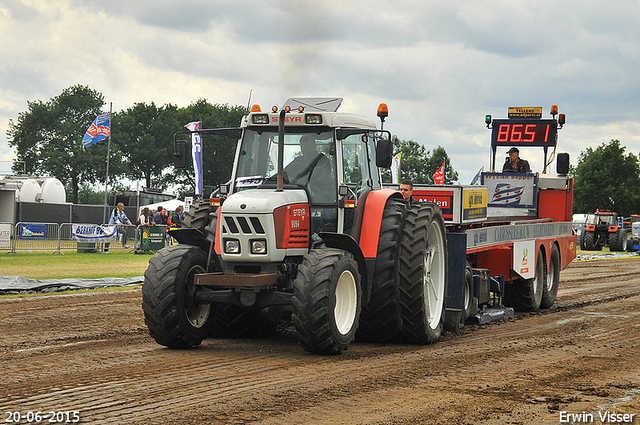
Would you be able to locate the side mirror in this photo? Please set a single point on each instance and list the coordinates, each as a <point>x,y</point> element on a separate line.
<point>180,154</point>
<point>562,164</point>
<point>384,153</point>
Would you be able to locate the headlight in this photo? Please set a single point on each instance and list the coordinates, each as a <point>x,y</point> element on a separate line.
<point>260,119</point>
<point>232,246</point>
<point>313,119</point>
<point>259,247</point>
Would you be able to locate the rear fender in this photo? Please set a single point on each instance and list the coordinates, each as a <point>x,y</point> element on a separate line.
<point>372,220</point>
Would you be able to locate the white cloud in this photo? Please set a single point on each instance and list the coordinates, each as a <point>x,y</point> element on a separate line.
<point>439,66</point>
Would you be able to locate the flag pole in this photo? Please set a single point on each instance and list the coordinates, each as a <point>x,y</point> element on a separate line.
<point>106,179</point>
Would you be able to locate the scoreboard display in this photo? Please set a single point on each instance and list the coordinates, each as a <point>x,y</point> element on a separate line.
<point>524,132</point>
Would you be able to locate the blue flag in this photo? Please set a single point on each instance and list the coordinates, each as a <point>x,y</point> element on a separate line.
<point>196,152</point>
<point>99,130</point>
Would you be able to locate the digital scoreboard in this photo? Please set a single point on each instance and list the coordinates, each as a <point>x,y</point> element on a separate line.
<point>524,132</point>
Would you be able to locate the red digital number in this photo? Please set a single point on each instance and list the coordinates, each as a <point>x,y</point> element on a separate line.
<point>515,133</point>
<point>546,134</point>
<point>503,133</point>
<point>530,130</point>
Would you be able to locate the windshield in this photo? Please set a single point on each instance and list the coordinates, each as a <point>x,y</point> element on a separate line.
<point>602,219</point>
<point>309,160</point>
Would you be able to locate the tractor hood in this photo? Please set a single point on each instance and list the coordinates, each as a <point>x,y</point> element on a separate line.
<point>262,201</point>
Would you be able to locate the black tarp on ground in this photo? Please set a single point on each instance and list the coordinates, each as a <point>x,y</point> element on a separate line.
<point>21,285</point>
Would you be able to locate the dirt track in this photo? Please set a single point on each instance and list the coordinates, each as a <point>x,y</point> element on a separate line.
<point>92,354</point>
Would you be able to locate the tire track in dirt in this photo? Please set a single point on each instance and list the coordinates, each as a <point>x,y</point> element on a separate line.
<point>108,368</point>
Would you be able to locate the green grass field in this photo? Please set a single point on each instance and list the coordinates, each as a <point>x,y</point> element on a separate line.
<point>44,265</point>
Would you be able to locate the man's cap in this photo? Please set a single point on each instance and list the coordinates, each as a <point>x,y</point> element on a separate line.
<point>513,150</point>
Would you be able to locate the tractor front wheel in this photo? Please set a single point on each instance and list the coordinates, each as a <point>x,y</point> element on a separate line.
<point>327,300</point>
<point>173,317</point>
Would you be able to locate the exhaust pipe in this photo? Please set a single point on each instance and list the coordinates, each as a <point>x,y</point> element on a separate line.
<point>280,183</point>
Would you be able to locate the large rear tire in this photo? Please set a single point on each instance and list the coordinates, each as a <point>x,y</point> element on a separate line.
<point>172,316</point>
<point>380,320</point>
<point>550,290</point>
<point>423,274</point>
<point>198,215</point>
<point>327,300</point>
<point>618,240</point>
<point>588,241</point>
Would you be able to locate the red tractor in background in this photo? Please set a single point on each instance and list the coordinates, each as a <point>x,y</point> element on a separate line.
<point>603,229</point>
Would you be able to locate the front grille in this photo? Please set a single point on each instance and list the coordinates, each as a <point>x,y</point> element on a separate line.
<point>240,225</point>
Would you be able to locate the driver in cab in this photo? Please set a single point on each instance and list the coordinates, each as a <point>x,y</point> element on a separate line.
<point>313,170</point>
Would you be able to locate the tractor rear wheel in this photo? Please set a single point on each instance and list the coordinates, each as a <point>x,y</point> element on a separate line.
<point>618,240</point>
<point>198,215</point>
<point>550,290</point>
<point>327,300</point>
<point>172,316</point>
<point>588,241</point>
<point>423,274</point>
<point>380,319</point>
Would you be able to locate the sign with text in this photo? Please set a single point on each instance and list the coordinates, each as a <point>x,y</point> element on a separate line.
<point>511,190</point>
<point>94,233</point>
<point>33,231</point>
<point>5,235</point>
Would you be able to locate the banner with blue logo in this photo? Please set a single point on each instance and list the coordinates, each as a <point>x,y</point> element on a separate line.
<point>94,233</point>
<point>99,130</point>
<point>196,151</point>
<point>512,190</point>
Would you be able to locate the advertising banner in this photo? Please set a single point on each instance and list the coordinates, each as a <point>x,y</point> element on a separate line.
<point>94,233</point>
<point>5,235</point>
<point>33,231</point>
<point>510,189</point>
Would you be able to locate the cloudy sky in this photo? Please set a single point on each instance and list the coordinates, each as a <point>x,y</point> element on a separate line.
<point>440,66</point>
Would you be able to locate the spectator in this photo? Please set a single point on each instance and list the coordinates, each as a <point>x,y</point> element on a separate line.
<point>176,220</point>
<point>161,216</point>
<point>120,219</point>
<point>146,218</point>
<point>515,164</point>
<point>406,189</point>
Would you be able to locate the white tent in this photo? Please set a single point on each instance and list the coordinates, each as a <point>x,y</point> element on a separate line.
<point>170,205</point>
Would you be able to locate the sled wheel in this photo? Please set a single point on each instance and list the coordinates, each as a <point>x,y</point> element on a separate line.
<point>550,290</point>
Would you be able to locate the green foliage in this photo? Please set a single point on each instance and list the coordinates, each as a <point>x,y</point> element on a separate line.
<point>607,179</point>
<point>48,138</point>
<point>218,152</point>
<point>89,195</point>
<point>143,134</point>
<point>419,165</point>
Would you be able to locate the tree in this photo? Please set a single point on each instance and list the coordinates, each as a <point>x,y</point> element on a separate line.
<point>218,152</point>
<point>143,134</point>
<point>48,138</point>
<point>419,165</point>
<point>607,179</point>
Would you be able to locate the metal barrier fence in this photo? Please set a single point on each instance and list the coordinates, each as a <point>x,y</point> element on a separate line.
<point>58,237</point>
